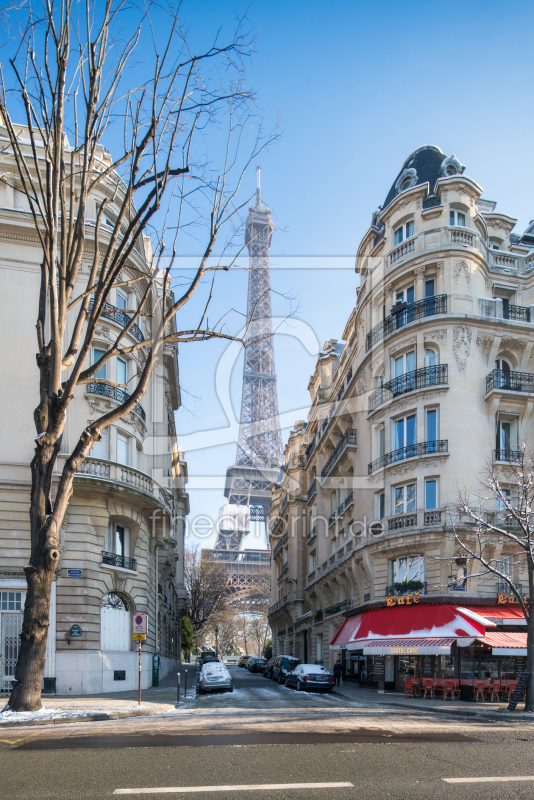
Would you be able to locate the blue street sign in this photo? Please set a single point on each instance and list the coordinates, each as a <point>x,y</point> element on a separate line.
<point>74,573</point>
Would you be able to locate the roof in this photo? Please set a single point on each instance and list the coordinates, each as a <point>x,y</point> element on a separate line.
<point>510,614</point>
<point>427,162</point>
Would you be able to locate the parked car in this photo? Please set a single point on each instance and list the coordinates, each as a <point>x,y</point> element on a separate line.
<point>268,668</point>
<point>214,675</point>
<point>242,661</point>
<point>231,660</point>
<point>310,676</point>
<point>255,664</point>
<point>205,654</point>
<point>282,666</point>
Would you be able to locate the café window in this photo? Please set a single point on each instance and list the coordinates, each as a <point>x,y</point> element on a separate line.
<point>407,568</point>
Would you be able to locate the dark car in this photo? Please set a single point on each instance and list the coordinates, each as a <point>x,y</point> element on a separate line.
<point>208,655</point>
<point>268,668</point>
<point>256,664</point>
<point>282,666</point>
<point>310,676</point>
<point>242,661</point>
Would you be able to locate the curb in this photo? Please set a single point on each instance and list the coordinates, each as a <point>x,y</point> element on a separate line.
<point>82,718</point>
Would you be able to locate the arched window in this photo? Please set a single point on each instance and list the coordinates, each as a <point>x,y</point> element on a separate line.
<point>115,633</point>
<point>503,373</point>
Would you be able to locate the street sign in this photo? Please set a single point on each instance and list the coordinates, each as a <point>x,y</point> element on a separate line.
<point>74,573</point>
<point>139,623</point>
<point>139,637</point>
<point>75,630</point>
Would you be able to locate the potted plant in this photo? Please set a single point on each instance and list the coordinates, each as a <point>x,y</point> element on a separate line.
<point>405,587</point>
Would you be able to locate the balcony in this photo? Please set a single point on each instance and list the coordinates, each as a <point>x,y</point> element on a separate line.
<point>510,381</point>
<point>411,451</point>
<point>496,309</point>
<point>312,534</point>
<point>343,605</point>
<point>280,544</point>
<point>405,314</point>
<point>401,251</point>
<point>121,318</point>
<point>318,616</point>
<point>332,520</point>
<point>312,490</point>
<point>404,588</point>
<point>503,587</point>
<point>116,560</point>
<point>347,440</point>
<point>349,500</point>
<point>115,393</point>
<point>517,313</point>
<point>411,520</point>
<point>100,469</point>
<point>510,456</point>
<point>310,450</point>
<point>437,375</point>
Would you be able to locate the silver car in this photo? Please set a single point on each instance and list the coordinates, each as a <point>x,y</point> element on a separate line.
<point>214,675</point>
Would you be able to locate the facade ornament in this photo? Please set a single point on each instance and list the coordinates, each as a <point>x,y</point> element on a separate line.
<point>462,267</point>
<point>485,342</point>
<point>419,272</point>
<point>461,346</point>
<point>515,345</point>
<point>102,332</point>
<point>451,166</point>
<point>439,335</point>
<point>400,345</point>
<point>406,180</point>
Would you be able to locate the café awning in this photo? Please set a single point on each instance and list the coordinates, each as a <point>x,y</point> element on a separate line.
<point>507,614</point>
<point>504,643</point>
<point>424,629</point>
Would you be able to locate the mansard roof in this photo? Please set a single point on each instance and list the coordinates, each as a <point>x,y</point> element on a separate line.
<point>424,165</point>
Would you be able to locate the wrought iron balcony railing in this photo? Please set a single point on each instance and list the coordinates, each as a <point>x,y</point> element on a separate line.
<point>417,586</point>
<point>310,450</point>
<point>348,439</point>
<point>511,456</point>
<point>409,382</point>
<point>349,500</point>
<point>406,314</point>
<point>512,381</point>
<point>115,393</point>
<point>518,313</point>
<point>412,450</point>
<point>318,616</point>
<point>503,587</point>
<point>343,605</point>
<point>312,490</point>
<point>116,560</point>
<point>280,544</point>
<point>121,318</point>
<point>312,534</point>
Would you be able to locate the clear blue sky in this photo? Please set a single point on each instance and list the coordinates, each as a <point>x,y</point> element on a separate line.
<point>359,86</point>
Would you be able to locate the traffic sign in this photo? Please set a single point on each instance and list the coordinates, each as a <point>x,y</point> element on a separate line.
<point>139,623</point>
<point>139,637</point>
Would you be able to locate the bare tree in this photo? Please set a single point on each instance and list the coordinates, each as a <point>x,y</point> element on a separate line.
<point>222,631</point>
<point>501,518</point>
<point>75,78</point>
<point>205,582</point>
<point>259,632</point>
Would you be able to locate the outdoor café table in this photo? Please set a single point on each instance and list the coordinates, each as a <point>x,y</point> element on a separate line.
<point>438,684</point>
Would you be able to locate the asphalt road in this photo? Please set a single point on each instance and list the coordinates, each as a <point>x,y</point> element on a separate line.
<point>379,753</point>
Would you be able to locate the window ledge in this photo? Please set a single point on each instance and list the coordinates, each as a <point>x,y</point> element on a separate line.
<point>119,569</point>
<point>412,461</point>
<point>439,387</point>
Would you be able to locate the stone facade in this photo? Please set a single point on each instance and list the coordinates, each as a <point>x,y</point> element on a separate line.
<point>123,537</point>
<point>433,378</point>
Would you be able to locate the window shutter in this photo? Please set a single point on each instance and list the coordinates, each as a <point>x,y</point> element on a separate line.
<point>107,540</point>
<point>127,542</point>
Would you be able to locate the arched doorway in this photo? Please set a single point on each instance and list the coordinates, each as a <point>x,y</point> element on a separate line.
<point>115,627</point>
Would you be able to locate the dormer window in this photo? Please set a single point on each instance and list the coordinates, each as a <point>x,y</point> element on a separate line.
<point>457,218</point>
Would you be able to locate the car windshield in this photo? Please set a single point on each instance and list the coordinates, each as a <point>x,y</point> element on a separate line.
<point>287,664</point>
<point>313,669</point>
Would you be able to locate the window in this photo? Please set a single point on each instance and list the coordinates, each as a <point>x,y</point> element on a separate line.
<point>404,363</point>
<point>431,424</point>
<point>319,648</point>
<point>312,561</point>
<point>407,294</point>
<point>122,300</point>
<point>501,502</point>
<point>122,372</point>
<point>431,494</point>
<point>430,287</point>
<point>97,355</point>
<point>101,448</point>
<point>505,436</point>
<point>431,358</point>
<point>381,441</point>
<point>457,218</point>
<point>409,229</point>
<point>399,235</point>
<point>380,505</point>
<point>117,540</point>
<point>404,431</point>
<point>404,232</point>
<point>408,568</point>
<point>123,449</point>
<point>404,499</point>
<point>11,601</point>
<point>115,633</point>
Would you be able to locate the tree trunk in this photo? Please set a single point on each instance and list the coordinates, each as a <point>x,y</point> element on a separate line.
<point>529,700</point>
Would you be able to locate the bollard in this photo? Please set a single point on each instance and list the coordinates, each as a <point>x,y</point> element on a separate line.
<point>177,687</point>
<point>185,685</point>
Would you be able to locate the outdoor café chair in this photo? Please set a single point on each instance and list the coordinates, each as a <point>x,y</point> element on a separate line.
<point>428,687</point>
<point>478,691</point>
<point>450,690</point>
<point>492,692</point>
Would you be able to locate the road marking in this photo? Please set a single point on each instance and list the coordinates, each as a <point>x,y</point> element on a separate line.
<point>490,780</point>
<point>250,787</point>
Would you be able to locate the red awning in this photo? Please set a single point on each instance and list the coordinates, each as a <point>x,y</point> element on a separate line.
<point>512,614</point>
<point>406,647</point>
<point>422,621</point>
<point>505,643</point>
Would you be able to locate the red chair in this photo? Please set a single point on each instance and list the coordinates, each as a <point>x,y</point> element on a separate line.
<point>492,692</point>
<point>506,690</point>
<point>428,687</point>
<point>478,691</point>
<point>451,689</point>
<point>408,687</point>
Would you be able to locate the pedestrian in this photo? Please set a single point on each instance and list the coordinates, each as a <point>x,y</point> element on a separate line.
<point>338,671</point>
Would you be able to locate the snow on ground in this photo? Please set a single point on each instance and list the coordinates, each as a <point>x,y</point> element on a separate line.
<point>43,713</point>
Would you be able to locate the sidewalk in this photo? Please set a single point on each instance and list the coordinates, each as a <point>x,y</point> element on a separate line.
<point>353,692</point>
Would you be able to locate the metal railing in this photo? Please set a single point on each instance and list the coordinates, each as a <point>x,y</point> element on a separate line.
<point>427,307</point>
<point>280,544</point>
<point>115,393</point>
<point>310,450</point>
<point>312,534</point>
<point>349,500</point>
<point>312,490</point>
<point>409,382</point>
<point>116,560</point>
<point>121,318</point>
<point>412,450</point>
<point>348,439</point>
<point>511,456</point>
<point>392,591</point>
<point>332,519</point>
<point>343,605</point>
<point>512,381</point>
<point>318,616</point>
<point>503,587</point>
<point>518,313</point>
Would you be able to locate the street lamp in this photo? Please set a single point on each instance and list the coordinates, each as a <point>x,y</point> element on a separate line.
<point>216,640</point>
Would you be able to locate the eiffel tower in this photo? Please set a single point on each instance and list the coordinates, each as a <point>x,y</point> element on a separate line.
<point>259,448</point>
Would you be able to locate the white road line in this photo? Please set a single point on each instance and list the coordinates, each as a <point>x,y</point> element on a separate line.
<point>490,780</point>
<point>250,787</point>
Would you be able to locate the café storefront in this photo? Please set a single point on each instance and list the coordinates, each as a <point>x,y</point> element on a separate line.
<point>432,640</point>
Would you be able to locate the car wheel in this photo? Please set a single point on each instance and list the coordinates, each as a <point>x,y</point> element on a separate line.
<point>286,683</point>
<point>281,679</point>
<point>299,686</point>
